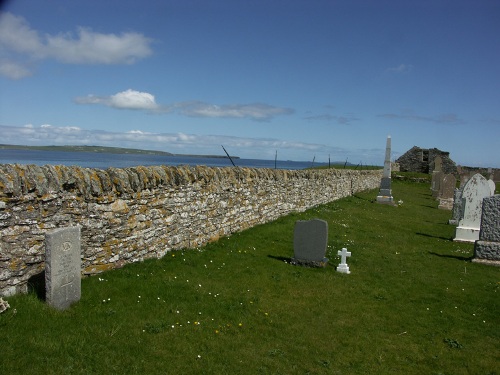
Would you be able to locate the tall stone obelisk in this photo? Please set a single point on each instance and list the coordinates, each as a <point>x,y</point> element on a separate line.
<point>385,192</point>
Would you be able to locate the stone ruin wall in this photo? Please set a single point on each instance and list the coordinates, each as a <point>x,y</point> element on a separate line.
<point>131,214</point>
<point>422,160</point>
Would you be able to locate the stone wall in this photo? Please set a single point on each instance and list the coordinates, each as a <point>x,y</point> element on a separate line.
<point>131,214</point>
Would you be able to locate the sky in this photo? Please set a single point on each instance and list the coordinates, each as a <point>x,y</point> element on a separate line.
<point>308,79</point>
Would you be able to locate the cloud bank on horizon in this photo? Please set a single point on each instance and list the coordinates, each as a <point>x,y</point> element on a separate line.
<point>308,80</point>
<point>170,142</point>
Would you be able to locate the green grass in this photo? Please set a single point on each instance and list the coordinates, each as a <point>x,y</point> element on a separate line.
<point>413,304</point>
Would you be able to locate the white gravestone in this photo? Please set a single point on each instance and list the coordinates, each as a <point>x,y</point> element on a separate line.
<point>63,267</point>
<point>309,243</point>
<point>473,193</point>
<point>343,267</point>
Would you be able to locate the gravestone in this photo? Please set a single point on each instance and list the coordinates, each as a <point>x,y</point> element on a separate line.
<point>473,193</point>
<point>63,267</point>
<point>343,267</point>
<point>487,248</point>
<point>438,163</point>
<point>457,207</point>
<point>309,243</point>
<point>437,176</point>
<point>446,192</point>
<point>492,186</point>
<point>385,193</point>
<point>436,182</point>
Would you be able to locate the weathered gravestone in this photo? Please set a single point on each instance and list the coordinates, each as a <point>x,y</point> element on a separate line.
<point>487,248</point>
<point>446,192</point>
<point>437,176</point>
<point>473,193</point>
<point>63,267</point>
<point>492,186</point>
<point>457,207</point>
<point>438,163</point>
<point>436,182</point>
<point>385,193</point>
<point>309,243</point>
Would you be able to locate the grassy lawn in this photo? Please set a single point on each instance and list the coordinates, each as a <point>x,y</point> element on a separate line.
<point>413,304</point>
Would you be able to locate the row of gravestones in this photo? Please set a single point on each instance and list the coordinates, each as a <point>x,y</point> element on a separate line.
<point>63,259</point>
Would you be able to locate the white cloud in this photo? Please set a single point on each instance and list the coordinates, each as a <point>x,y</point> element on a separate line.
<point>19,42</point>
<point>94,48</point>
<point>257,111</point>
<point>129,99</point>
<point>341,120</point>
<point>132,99</point>
<point>13,70</point>
<point>401,68</point>
<point>446,118</point>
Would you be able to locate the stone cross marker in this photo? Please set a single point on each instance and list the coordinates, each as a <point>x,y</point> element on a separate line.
<point>385,192</point>
<point>473,193</point>
<point>488,246</point>
<point>63,267</point>
<point>309,243</point>
<point>343,267</point>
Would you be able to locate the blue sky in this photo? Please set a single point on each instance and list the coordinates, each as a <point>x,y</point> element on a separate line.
<point>305,79</point>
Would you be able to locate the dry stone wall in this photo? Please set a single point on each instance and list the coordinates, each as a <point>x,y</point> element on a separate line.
<point>131,214</point>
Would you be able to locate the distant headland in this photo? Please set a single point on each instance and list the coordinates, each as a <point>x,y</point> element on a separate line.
<point>106,150</point>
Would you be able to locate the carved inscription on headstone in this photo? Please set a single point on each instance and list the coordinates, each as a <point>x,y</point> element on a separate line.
<point>62,267</point>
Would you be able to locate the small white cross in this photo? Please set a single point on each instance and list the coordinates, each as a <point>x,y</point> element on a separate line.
<point>343,267</point>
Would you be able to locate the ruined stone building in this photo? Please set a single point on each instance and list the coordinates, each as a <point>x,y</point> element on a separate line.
<point>422,160</point>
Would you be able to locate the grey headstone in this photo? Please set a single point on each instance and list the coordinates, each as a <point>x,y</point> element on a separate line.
<point>438,163</point>
<point>437,180</point>
<point>63,267</point>
<point>473,193</point>
<point>309,242</point>
<point>488,246</point>
<point>446,192</point>
<point>457,207</point>
<point>385,193</point>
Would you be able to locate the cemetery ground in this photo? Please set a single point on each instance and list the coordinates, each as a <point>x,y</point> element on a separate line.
<point>414,303</point>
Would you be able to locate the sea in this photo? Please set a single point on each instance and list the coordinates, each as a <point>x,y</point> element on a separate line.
<point>107,160</point>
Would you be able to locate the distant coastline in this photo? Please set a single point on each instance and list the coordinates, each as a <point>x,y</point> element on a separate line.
<point>106,150</point>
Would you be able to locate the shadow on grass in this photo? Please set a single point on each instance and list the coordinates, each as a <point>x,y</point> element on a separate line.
<point>367,199</point>
<point>427,206</point>
<point>431,236</point>
<point>281,259</point>
<point>458,257</point>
